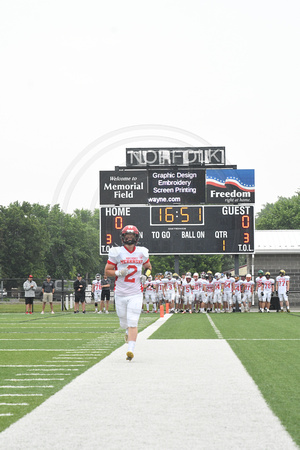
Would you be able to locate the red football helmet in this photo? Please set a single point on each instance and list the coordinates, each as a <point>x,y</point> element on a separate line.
<point>133,232</point>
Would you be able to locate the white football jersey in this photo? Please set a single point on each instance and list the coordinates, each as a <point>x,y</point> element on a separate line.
<point>188,286</point>
<point>282,284</point>
<point>228,284</point>
<point>122,258</point>
<point>267,284</point>
<point>169,284</point>
<point>259,283</point>
<point>97,285</point>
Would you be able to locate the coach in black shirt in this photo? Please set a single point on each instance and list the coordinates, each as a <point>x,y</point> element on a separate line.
<point>105,292</point>
<point>79,288</point>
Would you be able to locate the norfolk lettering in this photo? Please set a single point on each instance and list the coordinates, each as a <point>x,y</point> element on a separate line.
<point>186,156</point>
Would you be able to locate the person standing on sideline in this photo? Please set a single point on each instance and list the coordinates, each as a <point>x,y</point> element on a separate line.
<point>105,294</point>
<point>126,264</point>
<point>282,288</point>
<point>29,287</point>
<point>48,291</point>
<point>79,288</point>
<point>96,292</point>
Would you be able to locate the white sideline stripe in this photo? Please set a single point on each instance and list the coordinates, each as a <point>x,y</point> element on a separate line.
<point>225,417</point>
<point>52,370</point>
<point>35,339</point>
<point>34,350</point>
<point>262,339</point>
<point>6,415</point>
<point>41,374</point>
<point>216,330</point>
<point>14,404</point>
<point>25,387</point>
<point>21,395</point>
<point>41,365</point>
<point>33,379</point>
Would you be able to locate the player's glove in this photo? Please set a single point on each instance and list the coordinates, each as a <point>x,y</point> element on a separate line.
<point>143,279</point>
<point>287,292</point>
<point>92,295</point>
<point>276,292</point>
<point>262,294</point>
<point>148,273</point>
<point>121,273</point>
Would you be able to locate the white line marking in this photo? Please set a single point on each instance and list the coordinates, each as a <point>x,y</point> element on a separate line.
<point>52,370</point>
<point>33,379</point>
<point>6,415</point>
<point>41,365</point>
<point>216,330</point>
<point>25,387</point>
<point>21,395</point>
<point>14,404</point>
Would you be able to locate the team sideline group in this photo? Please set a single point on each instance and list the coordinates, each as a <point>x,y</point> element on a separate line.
<point>218,293</point>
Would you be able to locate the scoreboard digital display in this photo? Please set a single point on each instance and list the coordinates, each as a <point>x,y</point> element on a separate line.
<point>181,229</point>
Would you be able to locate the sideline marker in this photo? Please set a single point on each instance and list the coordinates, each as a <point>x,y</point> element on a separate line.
<point>161,310</point>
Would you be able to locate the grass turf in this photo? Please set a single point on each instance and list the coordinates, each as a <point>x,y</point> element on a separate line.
<point>39,354</point>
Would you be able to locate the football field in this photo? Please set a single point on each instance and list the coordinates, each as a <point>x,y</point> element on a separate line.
<point>40,355</point>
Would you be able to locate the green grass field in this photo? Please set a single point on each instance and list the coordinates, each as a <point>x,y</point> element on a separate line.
<point>41,354</point>
<point>268,345</point>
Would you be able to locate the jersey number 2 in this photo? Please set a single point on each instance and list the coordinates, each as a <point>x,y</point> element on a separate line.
<point>132,270</point>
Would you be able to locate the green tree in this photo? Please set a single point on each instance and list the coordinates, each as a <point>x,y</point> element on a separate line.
<point>281,215</point>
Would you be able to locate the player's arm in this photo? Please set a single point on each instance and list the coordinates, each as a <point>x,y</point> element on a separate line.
<point>110,270</point>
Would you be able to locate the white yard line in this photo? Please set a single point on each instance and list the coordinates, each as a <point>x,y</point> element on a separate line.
<point>175,394</point>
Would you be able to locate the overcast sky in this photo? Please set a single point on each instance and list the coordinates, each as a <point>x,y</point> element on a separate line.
<point>82,80</point>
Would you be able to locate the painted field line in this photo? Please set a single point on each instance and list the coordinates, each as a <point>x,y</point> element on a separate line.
<point>216,330</point>
<point>33,350</point>
<point>34,379</point>
<point>6,415</point>
<point>14,404</point>
<point>21,395</point>
<point>40,339</point>
<point>25,387</point>
<point>261,339</point>
<point>53,370</point>
<point>39,365</point>
<point>41,375</point>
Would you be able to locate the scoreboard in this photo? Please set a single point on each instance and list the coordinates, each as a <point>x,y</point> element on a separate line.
<point>182,229</point>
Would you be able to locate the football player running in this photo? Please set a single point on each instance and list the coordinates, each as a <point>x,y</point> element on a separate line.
<point>126,264</point>
<point>283,287</point>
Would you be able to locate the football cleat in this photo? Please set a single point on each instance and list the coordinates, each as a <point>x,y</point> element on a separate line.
<point>129,356</point>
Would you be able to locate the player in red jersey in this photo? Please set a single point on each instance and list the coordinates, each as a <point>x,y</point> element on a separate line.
<point>126,264</point>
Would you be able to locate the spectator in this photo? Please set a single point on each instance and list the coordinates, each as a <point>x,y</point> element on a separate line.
<point>79,288</point>
<point>48,291</point>
<point>29,287</point>
<point>105,294</point>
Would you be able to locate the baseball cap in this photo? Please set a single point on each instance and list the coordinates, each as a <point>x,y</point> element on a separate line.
<point>48,276</point>
<point>30,276</point>
<point>78,275</point>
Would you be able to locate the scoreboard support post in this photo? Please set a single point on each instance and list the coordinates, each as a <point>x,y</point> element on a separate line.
<point>176,264</point>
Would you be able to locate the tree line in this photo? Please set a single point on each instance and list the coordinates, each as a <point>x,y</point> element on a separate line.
<point>41,239</point>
